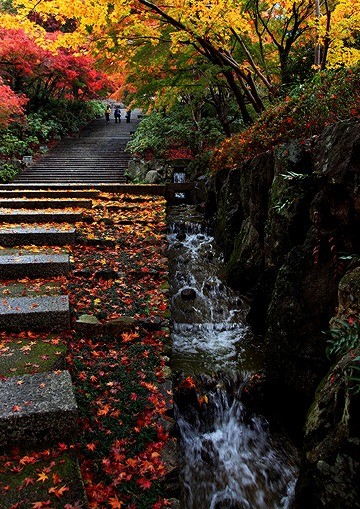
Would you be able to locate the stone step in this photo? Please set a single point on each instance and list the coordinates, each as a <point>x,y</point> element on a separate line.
<point>24,356</point>
<point>90,183</point>
<point>37,409</point>
<point>88,178</point>
<point>16,264</point>
<point>47,312</point>
<point>121,188</point>
<point>16,203</point>
<point>72,179</point>
<point>34,216</point>
<point>76,168</point>
<point>46,193</point>
<point>38,236</point>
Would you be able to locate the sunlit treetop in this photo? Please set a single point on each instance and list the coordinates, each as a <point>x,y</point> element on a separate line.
<point>250,42</point>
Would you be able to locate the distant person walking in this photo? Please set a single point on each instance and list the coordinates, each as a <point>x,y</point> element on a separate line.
<point>117,115</point>
<point>128,116</point>
<point>107,113</point>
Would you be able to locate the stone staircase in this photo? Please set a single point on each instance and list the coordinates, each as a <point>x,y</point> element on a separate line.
<point>97,156</point>
<point>37,409</point>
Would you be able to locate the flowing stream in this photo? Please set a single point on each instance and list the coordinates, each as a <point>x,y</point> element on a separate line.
<point>230,457</point>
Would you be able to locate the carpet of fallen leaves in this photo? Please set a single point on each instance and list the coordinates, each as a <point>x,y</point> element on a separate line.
<point>118,268</point>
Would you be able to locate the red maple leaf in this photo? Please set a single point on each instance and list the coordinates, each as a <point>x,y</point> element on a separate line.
<point>145,484</point>
<point>115,503</point>
<point>58,492</point>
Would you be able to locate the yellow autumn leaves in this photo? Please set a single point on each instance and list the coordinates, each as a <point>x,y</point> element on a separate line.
<point>110,29</point>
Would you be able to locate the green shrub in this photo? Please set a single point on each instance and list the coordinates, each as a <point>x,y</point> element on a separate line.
<point>11,145</point>
<point>7,172</point>
<point>345,338</point>
<point>174,133</point>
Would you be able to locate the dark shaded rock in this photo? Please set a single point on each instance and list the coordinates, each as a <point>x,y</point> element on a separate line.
<point>330,471</point>
<point>303,300</point>
<point>86,273</point>
<point>151,322</point>
<point>188,294</point>
<point>106,274</point>
<point>246,260</point>
<point>336,157</point>
<point>107,220</point>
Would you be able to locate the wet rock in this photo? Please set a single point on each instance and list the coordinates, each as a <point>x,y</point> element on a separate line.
<point>181,236</point>
<point>188,294</point>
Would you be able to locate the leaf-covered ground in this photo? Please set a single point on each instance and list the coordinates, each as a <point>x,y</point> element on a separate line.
<point>118,269</point>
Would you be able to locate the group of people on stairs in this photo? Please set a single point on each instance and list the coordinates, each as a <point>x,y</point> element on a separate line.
<point>117,115</point>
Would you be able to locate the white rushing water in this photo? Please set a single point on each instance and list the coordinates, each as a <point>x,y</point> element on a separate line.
<point>230,460</point>
<point>208,330</point>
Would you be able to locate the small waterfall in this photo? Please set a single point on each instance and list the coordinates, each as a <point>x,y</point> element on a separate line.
<point>230,458</point>
<point>178,178</point>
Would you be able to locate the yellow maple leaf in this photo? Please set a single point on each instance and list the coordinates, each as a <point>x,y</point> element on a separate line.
<point>42,477</point>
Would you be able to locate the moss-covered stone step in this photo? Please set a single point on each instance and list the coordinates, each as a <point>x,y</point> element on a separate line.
<point>46,312</point>
<point>33,203</point>
<point>37,409</point>
<point>28,356</point>
<point>38,236</point>
<point>61,483</point>
<point>37,216</point>
<point>15,263</point>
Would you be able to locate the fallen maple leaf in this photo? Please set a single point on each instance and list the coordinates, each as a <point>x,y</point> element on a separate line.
<point>56,478</point>
<point>145,484</point>
<point>42,477</point>
<point>27,459</point>
<point>41,504</point>
<point>104,410</point>
<point>129,336</point>
<point>115,503</point>
<point>58,492</point>
<point>28,481</point>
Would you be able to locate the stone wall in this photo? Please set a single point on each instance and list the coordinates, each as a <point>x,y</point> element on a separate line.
<point>285,220</point>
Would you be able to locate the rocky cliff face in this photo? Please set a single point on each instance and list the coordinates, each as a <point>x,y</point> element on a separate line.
<point>289,225</point>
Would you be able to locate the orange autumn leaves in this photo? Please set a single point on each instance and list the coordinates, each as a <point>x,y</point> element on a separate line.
<point>117,377</point>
